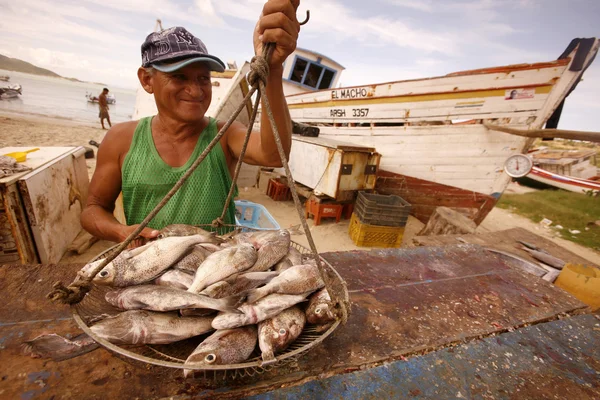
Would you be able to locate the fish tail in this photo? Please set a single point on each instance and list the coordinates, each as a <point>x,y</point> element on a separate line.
<point>296,230</point>
<point>229,321</point>
<point>230,303</point>
<point>254,295</point>
<point>268,357</point>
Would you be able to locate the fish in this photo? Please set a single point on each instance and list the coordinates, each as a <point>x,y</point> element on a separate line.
<point>265,308</point>
<point>196,312</point>
<point>272,246</point>
<point>295,280</point>
<point>191,261</point>
<point>211,248</point>
<point>189,230</point>
<point>282,265</point>
<point>175,278</point>
<point>222,264</point>
<point>142,264</point>
<point>238,284</point>
<point>224,347</point>
<point>320,308</point>
<point>58,348</point>
<point>163,298</point>
<point>277,333</point>
<point>293,257</point>
<point>150,327</point>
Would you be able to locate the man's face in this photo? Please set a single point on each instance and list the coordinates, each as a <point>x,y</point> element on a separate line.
<point>184,94</point>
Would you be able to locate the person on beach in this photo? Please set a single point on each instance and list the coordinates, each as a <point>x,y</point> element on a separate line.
<point>144,159</point>
<point>103,103</point>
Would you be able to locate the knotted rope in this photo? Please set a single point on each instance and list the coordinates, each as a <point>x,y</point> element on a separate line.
<point>257,78</point>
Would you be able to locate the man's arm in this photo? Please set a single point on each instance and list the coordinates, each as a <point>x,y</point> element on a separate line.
<point>277,24</point>
<point>97,217</point>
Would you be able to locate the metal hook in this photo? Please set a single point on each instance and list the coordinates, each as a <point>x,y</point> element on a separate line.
<point>307,18</point>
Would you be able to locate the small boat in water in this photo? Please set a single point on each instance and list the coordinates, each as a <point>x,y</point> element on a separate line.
<point>4,78</point>
<point>110,98</point>
<point>11,91</point>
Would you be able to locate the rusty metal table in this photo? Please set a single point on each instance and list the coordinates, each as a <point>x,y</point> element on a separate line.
<point>405,302</point>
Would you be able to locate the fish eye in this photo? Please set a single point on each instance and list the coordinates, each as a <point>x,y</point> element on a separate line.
<point>210,358</point>
<point>282,331</point>
<point>318,311</point>
<point>103,274</point>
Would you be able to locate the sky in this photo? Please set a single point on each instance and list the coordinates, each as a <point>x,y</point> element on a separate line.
<point>375,40</point>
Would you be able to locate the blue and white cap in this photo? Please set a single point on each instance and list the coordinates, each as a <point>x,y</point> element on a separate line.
<point>174,48</point>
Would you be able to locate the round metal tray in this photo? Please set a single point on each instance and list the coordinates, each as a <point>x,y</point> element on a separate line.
<point>174,355</point>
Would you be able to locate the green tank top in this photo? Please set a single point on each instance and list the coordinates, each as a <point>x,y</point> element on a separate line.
<point>146,179</point>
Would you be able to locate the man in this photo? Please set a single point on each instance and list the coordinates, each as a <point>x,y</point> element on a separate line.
<point>144,159</point>
<point>103,102</point>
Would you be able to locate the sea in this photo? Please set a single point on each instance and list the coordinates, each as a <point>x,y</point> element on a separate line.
<point>64,99</point>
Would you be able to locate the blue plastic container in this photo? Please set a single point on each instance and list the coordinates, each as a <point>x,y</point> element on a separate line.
<point>253,215</point>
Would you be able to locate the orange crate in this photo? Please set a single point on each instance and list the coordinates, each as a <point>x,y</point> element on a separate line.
<point>278,191</point>
<point>365,235</point>
<point>323,210</point>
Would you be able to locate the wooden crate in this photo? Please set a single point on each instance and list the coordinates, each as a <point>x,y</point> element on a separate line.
<point>40,210</point>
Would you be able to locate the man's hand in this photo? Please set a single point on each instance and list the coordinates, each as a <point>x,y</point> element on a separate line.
<point>277,24</point>
<point>143,237</point>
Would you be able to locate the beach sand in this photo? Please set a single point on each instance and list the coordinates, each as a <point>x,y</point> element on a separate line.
<point>20,130</point>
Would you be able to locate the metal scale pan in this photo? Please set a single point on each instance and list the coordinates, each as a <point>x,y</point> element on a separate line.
<point>174,355</point>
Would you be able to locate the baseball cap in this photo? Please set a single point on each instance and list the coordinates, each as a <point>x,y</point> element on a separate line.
<point>174,48</point>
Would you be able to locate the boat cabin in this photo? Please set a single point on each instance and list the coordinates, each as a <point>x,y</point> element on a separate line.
<point>575,163</point>
<point>307,70</point>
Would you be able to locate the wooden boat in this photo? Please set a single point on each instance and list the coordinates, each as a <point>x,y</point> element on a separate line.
<point>10,92</point>
<point>434,134</point>
<point>569,183</point>
<point>4,78</point>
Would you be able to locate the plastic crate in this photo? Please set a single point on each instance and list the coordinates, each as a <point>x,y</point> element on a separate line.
<point>365,235</point>
<point>253,215</point>
<point>379,209</point>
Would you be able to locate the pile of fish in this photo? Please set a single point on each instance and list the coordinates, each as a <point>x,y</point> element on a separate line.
<point>243,289</point>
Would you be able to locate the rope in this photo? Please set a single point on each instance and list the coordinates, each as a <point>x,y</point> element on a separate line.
<point>337,294</point>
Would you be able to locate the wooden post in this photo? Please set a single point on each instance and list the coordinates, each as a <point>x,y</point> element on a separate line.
<point>446,221</point>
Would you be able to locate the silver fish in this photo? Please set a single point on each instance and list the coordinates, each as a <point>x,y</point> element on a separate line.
<point>189,230</point>
<point>191,261</point>
<point>58,348</point>
<point>196,312</point>
<point>224,347</point>
<point>142,264</point>
<point>293,257</point>
<point>265,308</point>
<point>295,280</point>
<point>149,327</point>
<point>175,278</point>
<point>320,309</point>
<point>272,246</point>
<point>223,264</point>
<point>237,284</point>
<point>163,298</point>
<point>277,333</point>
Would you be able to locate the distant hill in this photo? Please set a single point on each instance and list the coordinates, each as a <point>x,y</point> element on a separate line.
<point>14,64</point>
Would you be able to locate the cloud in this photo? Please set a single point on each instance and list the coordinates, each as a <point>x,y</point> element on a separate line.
<point>421,5</point>
<point>171,13</point>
